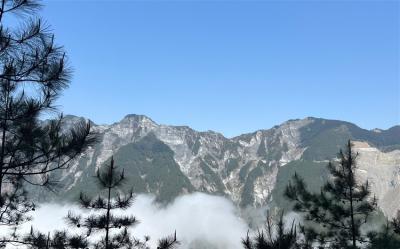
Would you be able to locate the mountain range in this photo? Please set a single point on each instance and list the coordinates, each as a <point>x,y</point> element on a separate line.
<point>251,169</point>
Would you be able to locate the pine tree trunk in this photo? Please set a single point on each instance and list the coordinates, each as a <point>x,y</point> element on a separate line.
<point>3,2</point>
<point>3,139</point>
<point>108,217</point>
<point>353,229</point>
<point>3,142</point>
<point>351,176</point>
<point>109,203</point>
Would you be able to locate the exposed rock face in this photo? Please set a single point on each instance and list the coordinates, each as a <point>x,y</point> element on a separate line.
<point>171,160</point>
<point>382,170</point>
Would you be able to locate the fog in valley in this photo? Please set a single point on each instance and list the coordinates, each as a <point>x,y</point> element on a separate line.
<point>212,220</point>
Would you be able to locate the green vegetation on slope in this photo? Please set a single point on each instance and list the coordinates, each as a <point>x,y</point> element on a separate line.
<point>149,168</point>
<point>313,173</point>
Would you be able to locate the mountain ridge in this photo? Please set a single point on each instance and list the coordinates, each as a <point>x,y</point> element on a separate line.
<point>250,169</point>
<point>143,116</point>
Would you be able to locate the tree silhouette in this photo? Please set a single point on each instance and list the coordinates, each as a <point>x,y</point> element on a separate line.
<point>336,214</point>
<point>386,238</point>
<point>33,73</point>
<point>274,237</point>
<point>56,240</point>
<point>104,220</point>
<point>396,223</point>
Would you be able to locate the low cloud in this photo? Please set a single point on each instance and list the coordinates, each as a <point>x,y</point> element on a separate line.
<point>200,220</point>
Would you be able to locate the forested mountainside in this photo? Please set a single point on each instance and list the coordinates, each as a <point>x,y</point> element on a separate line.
<point>251,169</point>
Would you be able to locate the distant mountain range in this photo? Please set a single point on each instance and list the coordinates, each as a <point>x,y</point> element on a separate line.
<point>250,169</point>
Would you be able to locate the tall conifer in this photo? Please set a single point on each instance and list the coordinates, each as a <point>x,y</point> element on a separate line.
<point>335,215</point>
<point>104,220</point>
<point>33,73</point>
<point>275,236</point>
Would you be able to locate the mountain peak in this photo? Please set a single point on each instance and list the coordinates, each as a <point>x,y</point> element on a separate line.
<point>138,118</point>
<point>170,160</point>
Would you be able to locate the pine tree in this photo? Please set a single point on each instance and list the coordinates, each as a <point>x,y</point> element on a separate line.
<point>33,73</point>
<point>114,228</point>
<point>385,238</point>
<point>336,214</point>
<point>56,240</point>
<point>274,237</point>
<point>395,223</point>
<point>388,237</point>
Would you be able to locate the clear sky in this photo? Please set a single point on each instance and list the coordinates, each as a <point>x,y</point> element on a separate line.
<point>231,66</point>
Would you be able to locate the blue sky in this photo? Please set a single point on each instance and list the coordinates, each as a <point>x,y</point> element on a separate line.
<point>231,66</point>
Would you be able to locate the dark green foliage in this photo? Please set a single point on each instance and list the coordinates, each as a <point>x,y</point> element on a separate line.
<point>262,149</point>
<point>324,137</point>
<point>228,146</point>
<point>248,189</point>
<point>62,240</point>
<point>209,160</point>
<point>109,180</point>
<point>212,177</point>
<point>150,167</point>
<point>168,242</point>
<point>337,213</point>
<point>285,147</point>
<point>33,73</point>
<point>386,238</point>
<point>313,173</point>
<point>274,236</point>
<point>230,165</point>
<point>275,153</point>
<point>396,223</point>
<point>15,204</point>
<point>271,149</point>
<point>384,140</point>
<point>244,171</point>
<point>104,219</point>
<point>247,197</point>
<point>59,240</point>
<point>196,147</point>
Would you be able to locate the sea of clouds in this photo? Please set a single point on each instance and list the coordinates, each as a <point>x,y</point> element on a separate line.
<point>200,220</point>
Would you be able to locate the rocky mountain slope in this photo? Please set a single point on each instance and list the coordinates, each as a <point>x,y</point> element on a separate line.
<point>251,169</point>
